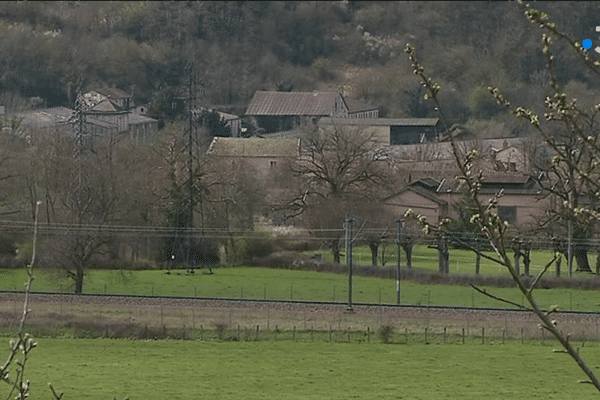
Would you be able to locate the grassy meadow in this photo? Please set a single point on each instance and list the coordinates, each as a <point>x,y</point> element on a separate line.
<point>260,283</point>
<point>104,368</point>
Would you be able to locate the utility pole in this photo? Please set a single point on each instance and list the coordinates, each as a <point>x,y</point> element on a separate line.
<point>570,231</point>
<point>399,226</point>
<point>190,162</point>
<point>348,236</point>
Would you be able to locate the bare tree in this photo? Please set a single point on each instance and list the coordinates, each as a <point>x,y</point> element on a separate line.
<point>336,170</point>
<point>236,198</point>
<point>339,161</point>
<point>377,229</point>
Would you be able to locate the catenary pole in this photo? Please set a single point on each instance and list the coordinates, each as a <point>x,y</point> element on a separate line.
<point>399,226</point>
<point>348,236</point>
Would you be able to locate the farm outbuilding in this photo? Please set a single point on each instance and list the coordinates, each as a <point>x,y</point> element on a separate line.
<point>279,111</point>
<point>393,131</point>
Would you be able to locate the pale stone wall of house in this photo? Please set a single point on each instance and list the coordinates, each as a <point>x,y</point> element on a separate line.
<point>399,204</point>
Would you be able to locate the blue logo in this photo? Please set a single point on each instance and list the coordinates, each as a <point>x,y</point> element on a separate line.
<point>586,44</point>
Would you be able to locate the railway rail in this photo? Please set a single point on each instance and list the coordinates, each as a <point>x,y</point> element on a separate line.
<point>238,300</point>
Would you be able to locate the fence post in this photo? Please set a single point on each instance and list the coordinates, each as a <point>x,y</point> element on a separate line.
<point>305,320</point>
<point>542,329</point>
<point>426,335</point>
<point>257,333</point>
<point>294,334</point>
<point>482,335</point>
<point>368,334</point>
<point>463,335</point>
<point>444,334</point>
<point>521,335</point>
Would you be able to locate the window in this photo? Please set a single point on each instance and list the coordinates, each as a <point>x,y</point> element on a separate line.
<point>508,214</point>
<point>272,164</point>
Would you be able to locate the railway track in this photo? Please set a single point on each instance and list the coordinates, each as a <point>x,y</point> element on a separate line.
<point>277,303</point>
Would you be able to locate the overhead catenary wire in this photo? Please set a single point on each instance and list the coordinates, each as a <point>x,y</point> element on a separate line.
<point>261,232</point>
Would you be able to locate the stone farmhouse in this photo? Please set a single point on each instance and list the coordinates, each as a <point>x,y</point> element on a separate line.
<point>522,202</point>
<point>109,112</point>
<point>263,156</point>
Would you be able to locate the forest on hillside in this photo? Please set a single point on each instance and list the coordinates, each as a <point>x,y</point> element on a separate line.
<point>52,50</point>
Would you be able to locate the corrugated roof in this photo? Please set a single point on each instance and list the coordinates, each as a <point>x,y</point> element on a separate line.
<point>253,147</point>
<point>355,106</point>
<point>380,121</point>
<point>292,103</point>
<point>46,117</point>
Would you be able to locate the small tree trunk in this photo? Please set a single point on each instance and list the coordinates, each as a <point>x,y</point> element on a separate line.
<point>557,264</point>
<point>79,280</point>
<point>581,256</point>
<point>335,249</point>
<point>598,262</point>
<point>408,251</point>
<point>374,249</point>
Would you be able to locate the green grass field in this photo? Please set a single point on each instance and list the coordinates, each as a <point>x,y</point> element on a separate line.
<point>461,261</point>
<point>259,283</point>
<point>107,369</point>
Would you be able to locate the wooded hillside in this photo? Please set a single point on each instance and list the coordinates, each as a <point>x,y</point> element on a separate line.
<point>53,49</point>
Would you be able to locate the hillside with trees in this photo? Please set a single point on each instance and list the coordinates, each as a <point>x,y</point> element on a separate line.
<point>51,50</point>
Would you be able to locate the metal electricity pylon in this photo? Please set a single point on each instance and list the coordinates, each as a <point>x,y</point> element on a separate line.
<point>80,155</point>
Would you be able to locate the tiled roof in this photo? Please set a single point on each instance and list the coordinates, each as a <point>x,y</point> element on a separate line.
<point>355,106</point>
<point>420,191</point>
<point>113,93</point>
<point>140,119</point>
<point>106,106</point>
<point>500,178</point>
<point>292,103</point>
<point>380,121</point>
<point>253,147</point>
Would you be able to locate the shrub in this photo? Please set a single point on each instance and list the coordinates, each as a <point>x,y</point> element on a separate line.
<point>385,333</point>
<point>221,327</point>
